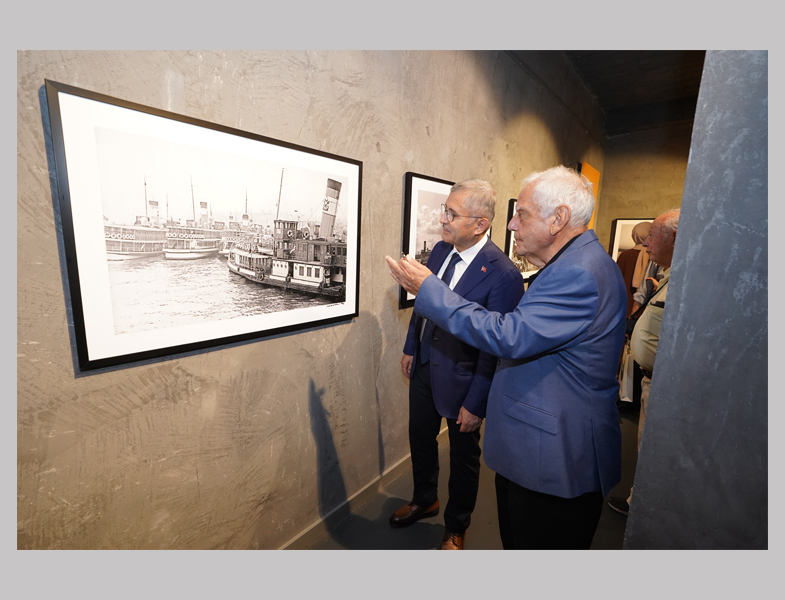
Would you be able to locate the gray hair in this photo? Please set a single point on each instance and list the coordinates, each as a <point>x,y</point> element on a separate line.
<point>670,219</point>
<point>560,185</point>
<point>480,198</point>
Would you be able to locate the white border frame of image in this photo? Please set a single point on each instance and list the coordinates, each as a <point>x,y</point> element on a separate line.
<point>419,185</point>
<point>80,117</point>
<point>614,250</point>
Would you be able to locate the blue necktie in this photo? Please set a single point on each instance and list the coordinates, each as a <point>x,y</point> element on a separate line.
<point>425,344</point>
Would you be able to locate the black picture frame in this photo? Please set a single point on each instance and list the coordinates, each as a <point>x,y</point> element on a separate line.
<point>621,235</point>
<point>524,266</point>
<point>112,157</point>
<point>422,196</point>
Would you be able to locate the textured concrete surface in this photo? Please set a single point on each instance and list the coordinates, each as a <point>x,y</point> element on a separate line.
<point>702,478</point>
<point>248,445</point>
<point>644,176</point>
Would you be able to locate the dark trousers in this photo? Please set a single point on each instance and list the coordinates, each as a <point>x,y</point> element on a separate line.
<point>424,425</point>
<point>530,520</point>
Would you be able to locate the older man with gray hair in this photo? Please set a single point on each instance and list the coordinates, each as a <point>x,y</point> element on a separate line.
<point>660,243</point>
<point>552,432</point>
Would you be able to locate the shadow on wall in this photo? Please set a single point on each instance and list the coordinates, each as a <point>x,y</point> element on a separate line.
<point>330,484</point>
<point>526,103</point>
<point>356,532</point>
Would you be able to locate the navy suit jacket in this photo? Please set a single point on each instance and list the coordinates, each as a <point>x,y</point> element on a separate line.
<point>552,424</point>
<point>460,374</point>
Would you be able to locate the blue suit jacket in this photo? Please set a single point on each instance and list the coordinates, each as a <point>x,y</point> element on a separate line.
<point>460,374</point>
<point>552,425</point>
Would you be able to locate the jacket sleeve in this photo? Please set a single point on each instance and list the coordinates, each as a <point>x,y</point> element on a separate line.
<point>409,344</point>
<point>408,347</point>
<point>503,298</point>
<point>553,314</point>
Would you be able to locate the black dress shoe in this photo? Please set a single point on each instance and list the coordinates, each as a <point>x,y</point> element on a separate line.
<point>411,513</point>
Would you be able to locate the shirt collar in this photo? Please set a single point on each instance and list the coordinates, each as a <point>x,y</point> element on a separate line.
<point>469,254</point>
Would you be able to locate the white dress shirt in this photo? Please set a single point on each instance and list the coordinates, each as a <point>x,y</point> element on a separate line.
<point>467,256</point>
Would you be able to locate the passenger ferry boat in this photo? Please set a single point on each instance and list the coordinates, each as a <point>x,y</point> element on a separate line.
<point>195,239</point>
<point>300,259</point>
<point>229,237</point>
<point>238,231</point>
<point>128,242</point>
<point>189,242</point>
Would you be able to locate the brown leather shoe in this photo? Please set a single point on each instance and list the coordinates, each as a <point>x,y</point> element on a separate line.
<point>411,513</point>
<point>453,540</point>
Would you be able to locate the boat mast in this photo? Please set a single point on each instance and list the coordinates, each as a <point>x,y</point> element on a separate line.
<point>278,206</point>
<point>145,198</point>
<point>193,202</point>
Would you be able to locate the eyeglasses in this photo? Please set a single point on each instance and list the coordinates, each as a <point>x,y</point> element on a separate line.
<point>451,214</point>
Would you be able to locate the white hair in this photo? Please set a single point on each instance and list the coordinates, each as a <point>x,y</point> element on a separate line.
<point>670,220</point>
<point>559,185</point>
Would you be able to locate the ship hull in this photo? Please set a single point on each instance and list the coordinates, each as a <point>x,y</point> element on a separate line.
<point>286,283</point>
<point>117,256</point>
<point>133,242</point>
<point>189,254</point>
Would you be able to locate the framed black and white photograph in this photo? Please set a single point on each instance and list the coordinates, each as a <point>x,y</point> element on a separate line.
<point>621,235</point>
<point>422,201</point>
<point>524,266</point>
<point>181,235</point>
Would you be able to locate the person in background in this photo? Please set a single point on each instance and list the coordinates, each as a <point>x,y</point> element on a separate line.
<point>645,337</point>
<point>651,277</point>
<point>633,262</point>
<point>552,432</point>
<point>449,378</point>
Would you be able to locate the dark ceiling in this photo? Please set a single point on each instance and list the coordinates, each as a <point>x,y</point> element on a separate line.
<point>641,89</point>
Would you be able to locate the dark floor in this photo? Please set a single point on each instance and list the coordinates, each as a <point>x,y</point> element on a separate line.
<point>367,528</point>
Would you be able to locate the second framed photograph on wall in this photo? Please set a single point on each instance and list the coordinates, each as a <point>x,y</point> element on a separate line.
<point>524,266</point>
<point>621,235</point>
<point>422,208</point>
<point>181,234</point>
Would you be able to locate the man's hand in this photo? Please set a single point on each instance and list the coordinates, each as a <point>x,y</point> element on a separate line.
<point>468,421</point>
<point>406,365</point>
<point>408,273</point>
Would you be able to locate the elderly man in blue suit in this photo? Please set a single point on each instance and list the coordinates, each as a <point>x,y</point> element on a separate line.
<point>450,378</point>
<point>552,433</point>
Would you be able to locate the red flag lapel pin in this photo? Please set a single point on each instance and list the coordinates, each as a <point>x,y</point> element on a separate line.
<point>483,269</point>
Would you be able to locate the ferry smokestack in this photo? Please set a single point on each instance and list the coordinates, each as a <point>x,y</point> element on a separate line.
<point>330,208</point>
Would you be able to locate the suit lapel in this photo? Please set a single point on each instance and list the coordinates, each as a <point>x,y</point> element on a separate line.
<point>437,257</point>
<point>481,267</point>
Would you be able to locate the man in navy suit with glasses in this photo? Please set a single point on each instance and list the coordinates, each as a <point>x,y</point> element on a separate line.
<point>449,378</point>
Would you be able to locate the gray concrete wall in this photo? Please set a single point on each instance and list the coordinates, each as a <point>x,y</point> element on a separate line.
<point>702,474</point>
<point>247,446</point>
<point>644,176</point>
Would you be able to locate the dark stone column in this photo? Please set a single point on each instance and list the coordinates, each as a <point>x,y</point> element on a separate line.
<point>702,474</point>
